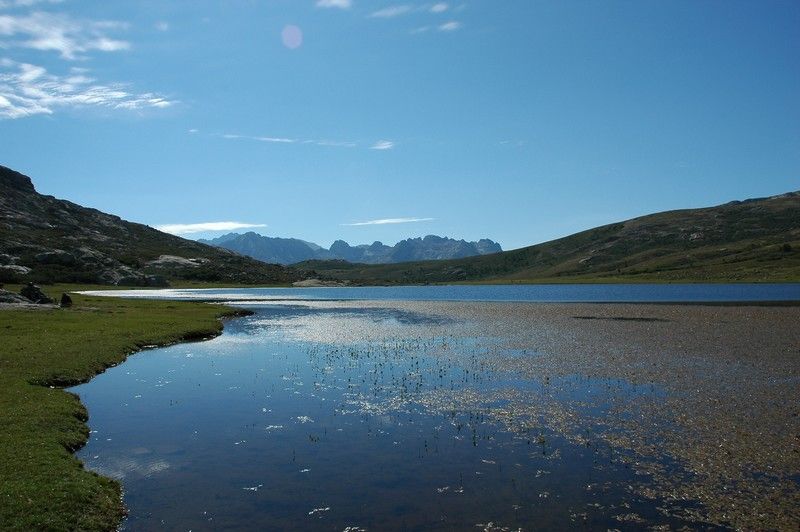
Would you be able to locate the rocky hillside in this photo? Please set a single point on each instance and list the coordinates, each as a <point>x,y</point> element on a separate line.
<point>751,240</point>
<point>44,239</point>
<point>293,250</point>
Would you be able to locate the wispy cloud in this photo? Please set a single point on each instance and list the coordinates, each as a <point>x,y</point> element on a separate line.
<point>332,143</point>
<point>382,145</point>
<point>436,9</point>
<point>280,140</point>
<point>161,25</point>
<point>26,3</point>
<point>391,11</point>
<point>340,4</point>
<point>453,25</point>
<point>378,145</point>
<point>189,229</point>
<point>69,37</point>
<point>27,90</point>
<point>384,221</point>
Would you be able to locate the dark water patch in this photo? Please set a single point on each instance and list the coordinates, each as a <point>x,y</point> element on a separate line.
<point>620,318</point>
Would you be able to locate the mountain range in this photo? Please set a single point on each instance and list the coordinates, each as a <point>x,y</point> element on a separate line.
<point>750,240</point>
<point>292,250</point>
<point>44,239</point>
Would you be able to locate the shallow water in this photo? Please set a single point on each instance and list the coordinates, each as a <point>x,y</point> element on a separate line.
<point>535,293</point>
<point>316,417</point>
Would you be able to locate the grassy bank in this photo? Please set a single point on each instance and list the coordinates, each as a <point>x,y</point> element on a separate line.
<point>42,485</point>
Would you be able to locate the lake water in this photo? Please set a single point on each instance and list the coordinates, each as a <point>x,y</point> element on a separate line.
<point>532,293</point>
<point>337,416</point>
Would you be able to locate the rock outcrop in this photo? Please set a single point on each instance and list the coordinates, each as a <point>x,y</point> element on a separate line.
<point>12,298</point>
<point>34,294</point>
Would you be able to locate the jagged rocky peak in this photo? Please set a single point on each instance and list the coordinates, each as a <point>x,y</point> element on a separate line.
<point>486,246</point>
<point>293,250</point>
<point>12,179</point>
<point>339,244</point>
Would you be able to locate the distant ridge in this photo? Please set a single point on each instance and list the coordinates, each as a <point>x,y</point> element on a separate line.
<point>44,239</point>
<point>751,240</point>
<point>292,250</point>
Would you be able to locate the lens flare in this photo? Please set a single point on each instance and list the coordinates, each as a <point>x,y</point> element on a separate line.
<point>292,36</point>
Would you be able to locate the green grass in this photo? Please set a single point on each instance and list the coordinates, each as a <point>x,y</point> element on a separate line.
<point>42,485</point>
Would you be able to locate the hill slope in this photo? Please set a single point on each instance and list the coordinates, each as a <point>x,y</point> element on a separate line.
<point>752,240</point>
<point>292,250</point>
<point>44,239</point>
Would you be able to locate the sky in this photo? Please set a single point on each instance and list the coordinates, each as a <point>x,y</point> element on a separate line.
<point>363,120</point>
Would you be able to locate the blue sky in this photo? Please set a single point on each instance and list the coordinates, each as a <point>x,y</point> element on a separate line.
<point>519,121</point>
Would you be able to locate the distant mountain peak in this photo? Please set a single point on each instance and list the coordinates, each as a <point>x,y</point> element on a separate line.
<point>292,250</point>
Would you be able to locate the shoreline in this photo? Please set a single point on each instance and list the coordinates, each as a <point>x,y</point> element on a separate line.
<point>44,485</point>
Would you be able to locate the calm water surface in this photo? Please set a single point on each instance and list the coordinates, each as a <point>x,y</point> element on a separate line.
<point>348,418</point>
<point>533,293</point>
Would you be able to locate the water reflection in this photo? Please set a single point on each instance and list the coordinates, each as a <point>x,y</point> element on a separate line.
<point>359,418</point>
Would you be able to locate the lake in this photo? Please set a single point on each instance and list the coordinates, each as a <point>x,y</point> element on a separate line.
<point>522,292</point>
<point>336,409</point>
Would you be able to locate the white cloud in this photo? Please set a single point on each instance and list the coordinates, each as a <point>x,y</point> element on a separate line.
<point>333,143</point>
<point>379,145</point>
<point>279,140</point>
<point>340,4</point>
<point>59,33</point>
<point>193,131</point>
<point>439,7</point>
<point>188,229</point>
<point>27,90</point>
<point>161,25</point>
<point>26,3</point>
<point>382,145</point>
<point>391,11</point>
<point>453,25</point>
<point>384,221</point>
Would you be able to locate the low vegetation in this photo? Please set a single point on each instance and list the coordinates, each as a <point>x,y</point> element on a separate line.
<point>42,485</point>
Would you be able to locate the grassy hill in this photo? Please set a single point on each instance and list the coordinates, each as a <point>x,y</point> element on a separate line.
<point>752,240</point>
<point>44,239</point>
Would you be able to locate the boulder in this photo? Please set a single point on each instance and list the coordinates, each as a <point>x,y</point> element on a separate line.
<point>173,260</point>
<point>143,280</point>
<point>66,301</point>
<point>35,294</point>
<point>57,256</point>
<point>11,297</point>
<point>16,268</point>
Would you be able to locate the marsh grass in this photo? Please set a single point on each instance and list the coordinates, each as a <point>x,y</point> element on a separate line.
<point>42,485</point>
